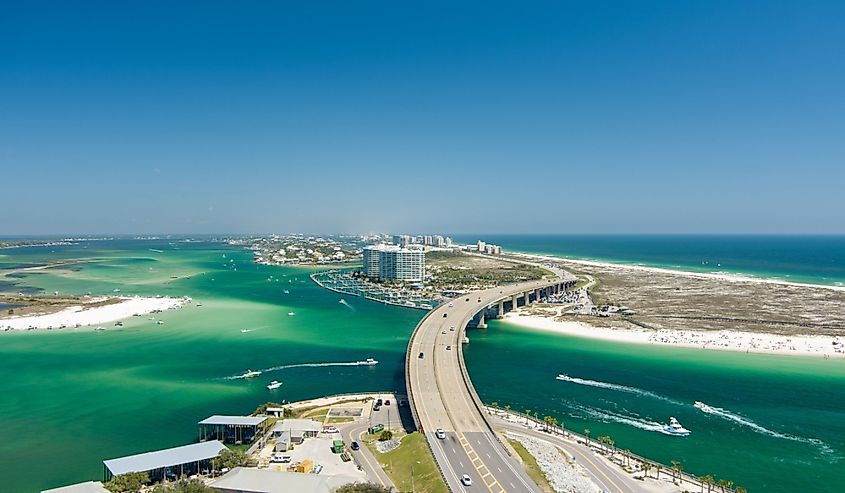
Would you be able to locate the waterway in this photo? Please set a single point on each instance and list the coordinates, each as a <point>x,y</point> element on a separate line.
<point>75,397</point>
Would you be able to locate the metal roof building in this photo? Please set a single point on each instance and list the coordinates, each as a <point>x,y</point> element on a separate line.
<point>186,458</point>
<point>86,487</point>
<point>244,480</point>
<point>232,429</point>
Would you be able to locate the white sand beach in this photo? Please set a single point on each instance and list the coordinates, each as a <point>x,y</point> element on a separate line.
<point>727,340</point>
<point>82,316</point>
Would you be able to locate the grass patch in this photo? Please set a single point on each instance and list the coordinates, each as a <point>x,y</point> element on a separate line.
<point>413,455</point>
<point>531,466</point>
<point>340,419</point>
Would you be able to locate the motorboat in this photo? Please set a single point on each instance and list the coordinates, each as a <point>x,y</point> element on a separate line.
<point>674,428</point>
<point>290,314</point>
<point>250,374</point>
<point>275,384</point>
<point>368,362</point>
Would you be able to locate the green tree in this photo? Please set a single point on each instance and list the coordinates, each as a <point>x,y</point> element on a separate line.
<point>710,480</point>
<point>127,483</point>
<point>231,459</point>
<point>385,436</point>
<point>646,469</point>
<point>192,486</point>
<point>587,434</point>
<point>362,488</point>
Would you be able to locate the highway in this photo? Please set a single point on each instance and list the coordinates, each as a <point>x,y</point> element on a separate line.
<point>442,397</point>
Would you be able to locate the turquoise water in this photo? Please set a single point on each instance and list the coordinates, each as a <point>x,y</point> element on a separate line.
<point>809,259</point>
<point>85,396</point>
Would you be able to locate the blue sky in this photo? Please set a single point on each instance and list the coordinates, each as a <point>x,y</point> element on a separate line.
<point>616,117</point>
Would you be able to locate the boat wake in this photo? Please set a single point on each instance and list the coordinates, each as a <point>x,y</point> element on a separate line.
<point>320,365</point>
<point>636,422</point>
<point>346,304</point>
<point>617,387</point>
<point>741,420</point>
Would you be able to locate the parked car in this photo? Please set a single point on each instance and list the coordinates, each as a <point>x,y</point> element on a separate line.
<point>379,402</point>
<point>330,429</point>
<point>421,355</point>
<point>448,348</point>
<point>354,446</point>
<point>280,459</point>
<point>387,402</point>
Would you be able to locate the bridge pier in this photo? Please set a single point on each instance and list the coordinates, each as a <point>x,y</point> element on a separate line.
<point>515,304</point>
<point>501,312</point>
<point>537,295</point>
<point>527,301</point>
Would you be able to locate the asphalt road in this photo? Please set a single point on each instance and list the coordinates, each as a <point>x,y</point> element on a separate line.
<point>605,475</point>
<point>443,399</point>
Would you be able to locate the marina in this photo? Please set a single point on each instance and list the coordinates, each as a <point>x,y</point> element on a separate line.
<point>343,282</point>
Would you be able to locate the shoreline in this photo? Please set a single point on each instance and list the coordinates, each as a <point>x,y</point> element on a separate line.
<point>77,316</point>
<point>728,277</point>
<point>721,340</point>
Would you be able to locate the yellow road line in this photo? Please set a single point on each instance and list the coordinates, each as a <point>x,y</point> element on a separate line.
<point>370,463</point>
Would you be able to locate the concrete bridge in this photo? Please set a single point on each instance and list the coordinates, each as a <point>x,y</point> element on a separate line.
<point>442,396</point>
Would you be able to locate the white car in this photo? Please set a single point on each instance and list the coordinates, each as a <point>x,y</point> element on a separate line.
<point>279,458</point>
<point>466,480</point>
<point>330,429</point>
<point>451,305</point>
<point>440,434</point>
<point>443,332</point>
<point>452,327</point>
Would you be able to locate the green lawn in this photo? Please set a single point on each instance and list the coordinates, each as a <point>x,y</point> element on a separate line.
<point>243,447</point>
<point>531,466</point>
<point>413,455</point>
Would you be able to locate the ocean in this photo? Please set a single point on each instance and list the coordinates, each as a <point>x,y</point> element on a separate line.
<point>74,398</point>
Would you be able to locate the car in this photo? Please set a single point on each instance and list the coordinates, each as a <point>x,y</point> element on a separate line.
<point>440,434</point>
<point>279,458</point>
<point>479,300</point>
<point>448,348</point>
<point>376,407</point>
<point>442,331</point>
<point>452,327</point>
<point>379,402</point>
<point>354,446</point>
<point>467,299</point>
<point>387,402</point>
<point>466,480</point>
<point>421,355</point>
<point>451,305</point>
<point>445,314</point>
<point>330,429</point>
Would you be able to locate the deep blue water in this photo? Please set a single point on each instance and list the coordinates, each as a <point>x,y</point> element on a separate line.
<point>810,259</point>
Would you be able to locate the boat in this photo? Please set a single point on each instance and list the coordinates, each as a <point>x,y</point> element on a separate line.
<point>244,331</point>
<point>275,384</point>
<point>700,405</point>
<point>368,362</point>
<point>674,428</point>
<point>287,292</point>
<point>250,374</point>
<point>290,314</point>
<point>563,376</point>
<point>118,324</point>
<point>100,328</point>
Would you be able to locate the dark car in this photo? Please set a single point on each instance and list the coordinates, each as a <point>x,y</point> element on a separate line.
<point>387,402</point>
<point>444,315</point>
<point>421,355</point>
<point>354,446</point>
<point>379,402</point>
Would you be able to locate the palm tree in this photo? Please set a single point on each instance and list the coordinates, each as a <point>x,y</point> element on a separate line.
<point>627,454</point>
<point>587,434</point>
<point>740,489</point>
<point>702,480</point>
<point>508,407</point>
<point>552,422</point>
<point>675,466</point>
<point>646,468</point>
<point>709,480</point>
<point>722,484</point>
<point>729,484</point>
<point>659,467</point>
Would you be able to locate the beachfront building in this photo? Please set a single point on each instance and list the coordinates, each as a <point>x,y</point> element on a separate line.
<point>248,480</point>
<point>233,429</point>
<point>390,262</point>
<point>371,260</point>
<point>169,463</point>
<point>86,487</point>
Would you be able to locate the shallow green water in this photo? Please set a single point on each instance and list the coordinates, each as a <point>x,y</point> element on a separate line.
<point>74,398</point>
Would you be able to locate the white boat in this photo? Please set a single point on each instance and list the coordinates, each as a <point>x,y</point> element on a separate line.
<point>287,292</point>
<point>250,374</point>
<point>244,331</point>
<point>368,362</point>
<point>674,428</point>
<point>275,384</point>
<point>290,314</point>
<point>700,405</point>
<point>160,322</point>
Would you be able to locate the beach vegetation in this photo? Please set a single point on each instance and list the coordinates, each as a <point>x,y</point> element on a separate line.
<point>131,482</point>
